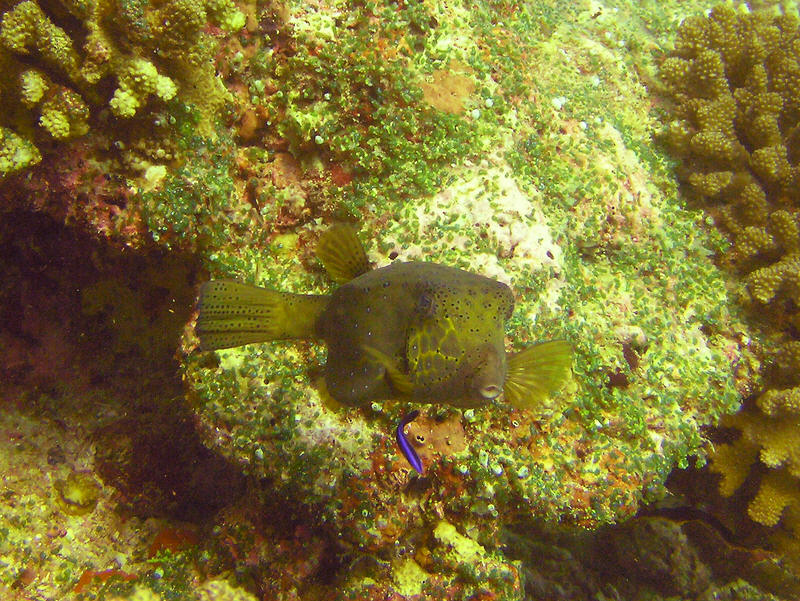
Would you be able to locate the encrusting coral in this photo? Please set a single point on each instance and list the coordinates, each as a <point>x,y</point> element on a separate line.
<point>63,61</point>
<point>734,77</point>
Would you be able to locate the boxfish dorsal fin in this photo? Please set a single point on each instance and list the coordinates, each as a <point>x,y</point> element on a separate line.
<point>341,253</point>
<point>536,372</point>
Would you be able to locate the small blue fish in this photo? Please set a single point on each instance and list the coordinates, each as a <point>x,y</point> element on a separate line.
<point>405,446</point>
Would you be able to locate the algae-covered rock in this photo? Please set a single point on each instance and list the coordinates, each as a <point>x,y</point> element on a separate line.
<point>509,139</point>
<point>556,191</point>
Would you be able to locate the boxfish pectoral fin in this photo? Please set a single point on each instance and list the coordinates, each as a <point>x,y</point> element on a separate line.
<point>536,372</point>
<point>399,381</point>
<point>341,253</point>
<point>325,397</point>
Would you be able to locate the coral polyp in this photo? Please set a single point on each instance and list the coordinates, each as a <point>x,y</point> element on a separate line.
<point>77,492</point>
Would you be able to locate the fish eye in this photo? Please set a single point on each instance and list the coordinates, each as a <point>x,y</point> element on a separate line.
<point>425,304</point>
<point>490,391</point>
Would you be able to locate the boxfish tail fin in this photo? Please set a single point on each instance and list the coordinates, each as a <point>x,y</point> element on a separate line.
<point>341,253</point>
<point>536,372</point>
<point>232,314</point>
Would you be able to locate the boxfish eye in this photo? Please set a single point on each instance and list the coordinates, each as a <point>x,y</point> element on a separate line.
<point>490,391</point>
<point>425,304</point>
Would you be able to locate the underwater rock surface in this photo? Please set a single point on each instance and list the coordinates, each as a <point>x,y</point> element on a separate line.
<point>509,139</point>
<point>556,191</point>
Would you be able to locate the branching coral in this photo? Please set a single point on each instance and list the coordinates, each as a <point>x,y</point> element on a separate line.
<point>770,433</point>
<point>735,79</point>
<point>62,61</point>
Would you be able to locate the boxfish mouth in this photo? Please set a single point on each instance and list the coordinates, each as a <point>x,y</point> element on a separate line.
<point>490,391</point>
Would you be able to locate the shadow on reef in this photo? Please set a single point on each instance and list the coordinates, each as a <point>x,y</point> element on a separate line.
<point>91,330</point>
<point>664,552</point>
<point>76,309</point>
<point>275,545</point>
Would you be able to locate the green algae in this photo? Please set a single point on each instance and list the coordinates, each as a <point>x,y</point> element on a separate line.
<point>557,191</point>
<point>190,209</point>
<point>352,92</point>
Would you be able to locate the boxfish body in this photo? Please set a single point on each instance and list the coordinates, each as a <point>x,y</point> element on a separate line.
<point>438,326</point>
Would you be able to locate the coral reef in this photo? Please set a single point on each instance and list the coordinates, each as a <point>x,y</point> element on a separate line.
<point>427,124</point>
<point>64,62</point>
<point>119,104</point>
<point>734,78</point>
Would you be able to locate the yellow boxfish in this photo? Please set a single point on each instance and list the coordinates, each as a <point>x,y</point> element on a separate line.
<point>411,330</point>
